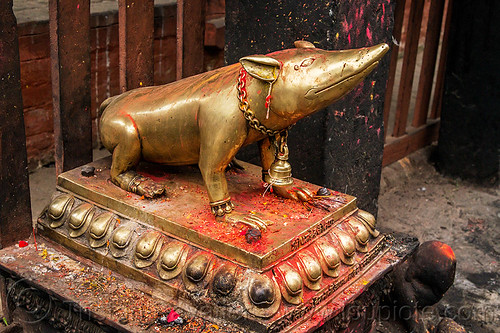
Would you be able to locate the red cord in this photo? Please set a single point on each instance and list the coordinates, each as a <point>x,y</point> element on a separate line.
<point>268,100</point>
<point>34,239</point>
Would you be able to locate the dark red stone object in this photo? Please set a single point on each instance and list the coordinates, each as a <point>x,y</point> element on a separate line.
<point>422,281</point>
<point>253,235</point>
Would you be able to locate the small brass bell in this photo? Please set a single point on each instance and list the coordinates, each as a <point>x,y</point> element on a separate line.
<point>280,172</point>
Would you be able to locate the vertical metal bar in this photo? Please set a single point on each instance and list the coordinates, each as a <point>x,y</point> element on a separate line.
<point>15,207</point>
<point>70,62</point>
<point>399,14</point>
<point>429,59</point>
<point>408,70</point>
<point>136,27</point>
<point>190,37</point>
<point>439,87</point>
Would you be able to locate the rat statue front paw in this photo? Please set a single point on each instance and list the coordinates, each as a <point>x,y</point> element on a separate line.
<point>322,199</point>
<point>252,220</point>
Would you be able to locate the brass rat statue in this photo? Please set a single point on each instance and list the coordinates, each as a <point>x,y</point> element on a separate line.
<point>205,119</point>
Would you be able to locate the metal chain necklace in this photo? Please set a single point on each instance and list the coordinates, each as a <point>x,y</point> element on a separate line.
<point>244,106</point>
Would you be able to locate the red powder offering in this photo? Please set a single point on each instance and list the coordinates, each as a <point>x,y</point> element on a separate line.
<point>23,243</point>
<point>172,316</point>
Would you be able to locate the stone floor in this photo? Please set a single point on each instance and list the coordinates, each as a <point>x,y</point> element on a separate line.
<point>417,200</point>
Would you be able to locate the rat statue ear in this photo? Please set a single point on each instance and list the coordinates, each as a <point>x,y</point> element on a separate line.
<point>303,44</point>
<point>261,67</point>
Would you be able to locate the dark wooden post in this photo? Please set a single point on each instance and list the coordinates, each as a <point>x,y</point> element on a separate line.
<point>136,26</point>
<point>469,137</point>
<point>15,209</point>
<point>340,147</point>
<point>190,37</point>
<point>428,62</point>
<point>437,99</point>
<point>408,69</point>
<point>70,61</point>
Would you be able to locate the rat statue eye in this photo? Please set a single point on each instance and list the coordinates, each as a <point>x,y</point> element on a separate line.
<point>307,62</point>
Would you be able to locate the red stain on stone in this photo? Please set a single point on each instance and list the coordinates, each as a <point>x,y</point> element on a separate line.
<point>345,25</point>
<point>369,34</point>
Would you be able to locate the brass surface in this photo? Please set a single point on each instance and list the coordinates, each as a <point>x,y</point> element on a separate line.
<point>291,284</point>
<point>79,219</point>
<point>280,172</point>
<point>172,260</point>
<point>303,44</point>
<point>320,250</point>
<point>57,209</point>
<point>292,320</point>
<point>120,240</point>
<point>360,232</point>
<point>253,220</point>
<point>147,249</point>
<point>369,221</point>
<point>198,271</point>
<point>222,287</point>
<point>197,120</point>
<point>346,244</point>
<point>100,227</point>
<point>244,104</point>
<point>222,207</point>
<point>367,217</point>
<point>225,279</point>
<point>261,296</point>
<point>328,257</point>
<point>310,270</point>
<point>171,215</point>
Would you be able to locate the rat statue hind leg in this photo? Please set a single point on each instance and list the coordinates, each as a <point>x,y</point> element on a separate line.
<point>130,180</point>
<point>126,149</point>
